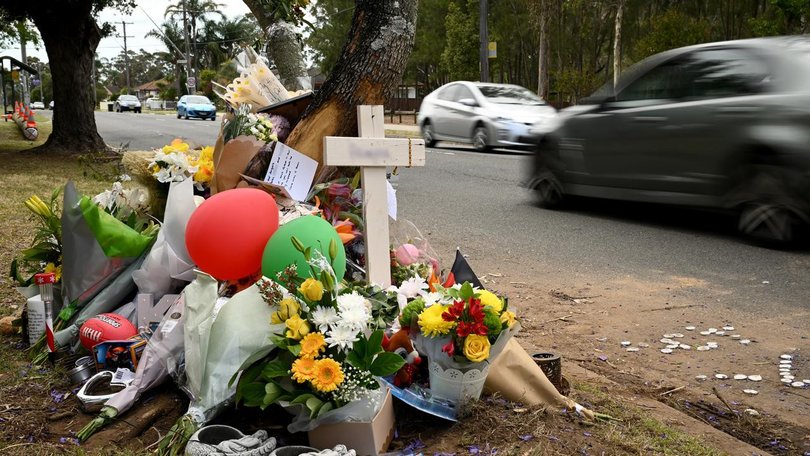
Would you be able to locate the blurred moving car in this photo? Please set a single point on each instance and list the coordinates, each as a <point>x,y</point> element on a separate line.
<point>196,106</point>
<point>720,125</point>
<point>483,114</point>
<point>37,105</point>
<point>127,103</point>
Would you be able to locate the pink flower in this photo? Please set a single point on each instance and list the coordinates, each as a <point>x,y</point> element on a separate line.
<point>407,254</point>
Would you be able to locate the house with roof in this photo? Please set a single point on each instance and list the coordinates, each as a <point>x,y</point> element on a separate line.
<point>150,89</point>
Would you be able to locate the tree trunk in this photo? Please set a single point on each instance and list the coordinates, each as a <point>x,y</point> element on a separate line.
<point>70,36</point>
<point>367,72</point>
<point>617,44</point>
<point>542,58</point>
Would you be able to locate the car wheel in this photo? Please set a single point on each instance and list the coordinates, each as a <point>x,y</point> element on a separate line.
<point>480,139</point>
<point>428,135</point>
<point>186,116</point>
<point>178,114</point>
<point>768,215</point>
<point>548,190</point>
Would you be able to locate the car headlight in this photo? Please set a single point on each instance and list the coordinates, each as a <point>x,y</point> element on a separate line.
<point>545,126</point>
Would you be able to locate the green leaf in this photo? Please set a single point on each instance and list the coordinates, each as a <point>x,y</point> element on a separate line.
<point>360,350</point>
<point>248,376</point>
<point>354,359</point>
<point>276,368</point>
<point>302,398</point>
<point>259,354</point>
<point>385,364</point>
<point>374,344</point>
<point>467,291</point>
<point>279,341</point>
<point>295,349</point>
<point>253,394</point>
<point>326,407</point>
<point>272,393</point>
<point>314,404</point>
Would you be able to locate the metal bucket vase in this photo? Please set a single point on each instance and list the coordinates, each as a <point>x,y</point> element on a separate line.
<point>457,386</point>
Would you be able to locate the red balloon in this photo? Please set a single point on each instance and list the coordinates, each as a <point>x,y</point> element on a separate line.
<point>227,234</point>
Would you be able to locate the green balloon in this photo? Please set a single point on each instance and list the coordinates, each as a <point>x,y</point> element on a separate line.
<point>312,231</point>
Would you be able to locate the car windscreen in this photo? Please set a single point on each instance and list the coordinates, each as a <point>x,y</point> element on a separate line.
<point>128,98</point>
<point>198,100</point>
<point>510,95</point>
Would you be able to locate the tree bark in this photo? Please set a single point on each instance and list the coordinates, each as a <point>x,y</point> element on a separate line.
<point>70,35</point>
<point>368,70</point>
<point>542,59</point>
<point>617,44</point>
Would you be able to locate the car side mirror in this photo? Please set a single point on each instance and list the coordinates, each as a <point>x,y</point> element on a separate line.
<point>468,102</point>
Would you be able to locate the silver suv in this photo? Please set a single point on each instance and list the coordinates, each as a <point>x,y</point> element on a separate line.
<point>721,125</point>
<point>486,115</point>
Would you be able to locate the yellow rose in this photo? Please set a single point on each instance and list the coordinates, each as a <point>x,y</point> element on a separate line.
<point>508,318</point>
<point>286,309</point>
<point>312,289</point>
<point>297,328</point>
<point>476,348</point>
<point>489,298</point>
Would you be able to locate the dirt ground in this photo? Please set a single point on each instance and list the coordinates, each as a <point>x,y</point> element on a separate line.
<point>588,325</point>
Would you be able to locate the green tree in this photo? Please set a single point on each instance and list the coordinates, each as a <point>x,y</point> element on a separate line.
<point>460,56</point>
<point>71,35</point>
<point>424,65</point>
<point>333,18</point>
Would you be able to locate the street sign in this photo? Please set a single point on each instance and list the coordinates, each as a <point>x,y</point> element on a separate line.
<point>492,49</point>
<point>191,82</point>
<point>35,82</point>
<point>182,61</point>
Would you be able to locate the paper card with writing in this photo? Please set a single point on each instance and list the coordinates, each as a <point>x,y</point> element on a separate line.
<point>292,170</point>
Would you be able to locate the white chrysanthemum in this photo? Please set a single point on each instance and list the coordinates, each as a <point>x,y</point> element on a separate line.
<point>323,317</point>
<point>413,287</point>
<point>341,336</point>
<point>355,317</point>
<point>352,300</point>
<point>433,298</point>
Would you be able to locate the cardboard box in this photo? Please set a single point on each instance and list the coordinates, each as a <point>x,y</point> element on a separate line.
<point>367,439</point>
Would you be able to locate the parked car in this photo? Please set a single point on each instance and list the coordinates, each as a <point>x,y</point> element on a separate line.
<point>50,105</point>
<point>485,115</point>
<point>196,106</point>
<point>719,125</point>
<point>127,103</point>
<point>37,105</point>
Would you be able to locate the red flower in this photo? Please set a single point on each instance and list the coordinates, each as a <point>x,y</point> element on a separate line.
<point>449,348</point>
<point>464,329</point>
<point>454,312</point>
<point>476,312</point>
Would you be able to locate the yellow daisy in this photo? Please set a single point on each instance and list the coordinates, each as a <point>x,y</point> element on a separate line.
<point>327,375</point>
<point>312,345</point>
<point>303,369</point>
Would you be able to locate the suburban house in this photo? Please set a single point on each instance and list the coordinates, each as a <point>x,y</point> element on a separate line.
<point>150,89</point>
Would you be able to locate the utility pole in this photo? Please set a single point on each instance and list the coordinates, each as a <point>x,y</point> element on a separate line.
<point>189,71</point>
<point>483,36</point>
<point>23,74</point>
<point>126,52</point>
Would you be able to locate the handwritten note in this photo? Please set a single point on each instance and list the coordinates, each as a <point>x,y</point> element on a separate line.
<point>292,170</point>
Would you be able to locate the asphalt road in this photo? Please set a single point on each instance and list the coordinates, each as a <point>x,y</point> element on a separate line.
<point>148,131</point>
<point>475,201</point>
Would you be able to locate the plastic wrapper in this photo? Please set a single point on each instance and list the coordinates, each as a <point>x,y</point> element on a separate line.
<point>412,253</point>
<point>111,297</point>
<point>161,357</point>
<point>220,335</point>
<point>168,263</point>
<point>86,270</point>
<point>363,411</point>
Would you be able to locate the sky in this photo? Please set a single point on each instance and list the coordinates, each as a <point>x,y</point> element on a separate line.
<point>141,25</point>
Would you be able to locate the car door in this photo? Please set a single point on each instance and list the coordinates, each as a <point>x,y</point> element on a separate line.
<point>462,112</point>
<point>181,105</point>
<point>680,123</point>
<point>442,107</point>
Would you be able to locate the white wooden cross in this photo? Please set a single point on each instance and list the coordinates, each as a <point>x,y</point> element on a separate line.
<point>373,152</point>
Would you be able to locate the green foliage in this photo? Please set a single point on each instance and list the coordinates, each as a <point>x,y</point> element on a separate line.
<point>411,312</point>
<point>333,19</point>
<point>460,55</point>
<point>671,30</point>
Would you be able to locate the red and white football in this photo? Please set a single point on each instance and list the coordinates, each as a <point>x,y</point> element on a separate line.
<point>108,326</point>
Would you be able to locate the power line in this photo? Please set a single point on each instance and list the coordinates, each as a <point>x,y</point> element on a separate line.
<point>126,53</point>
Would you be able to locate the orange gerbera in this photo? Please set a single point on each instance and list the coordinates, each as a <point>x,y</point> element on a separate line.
<point>303,369</point>
<point>312,345</point>
<point>327,375</point>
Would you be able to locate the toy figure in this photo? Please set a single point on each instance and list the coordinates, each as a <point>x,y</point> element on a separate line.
<point>400,343</point>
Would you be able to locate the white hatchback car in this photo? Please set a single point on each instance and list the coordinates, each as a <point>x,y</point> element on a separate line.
<point>484,114</point>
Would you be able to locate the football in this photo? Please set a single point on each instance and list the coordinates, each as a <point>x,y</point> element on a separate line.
<point>104,327</point>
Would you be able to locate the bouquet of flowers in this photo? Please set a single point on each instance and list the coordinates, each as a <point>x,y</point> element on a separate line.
<point>177,162</point>
<point>244,122</point>
<point>329,350</point>
<point>45,252</point>
<point>130,205</point>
